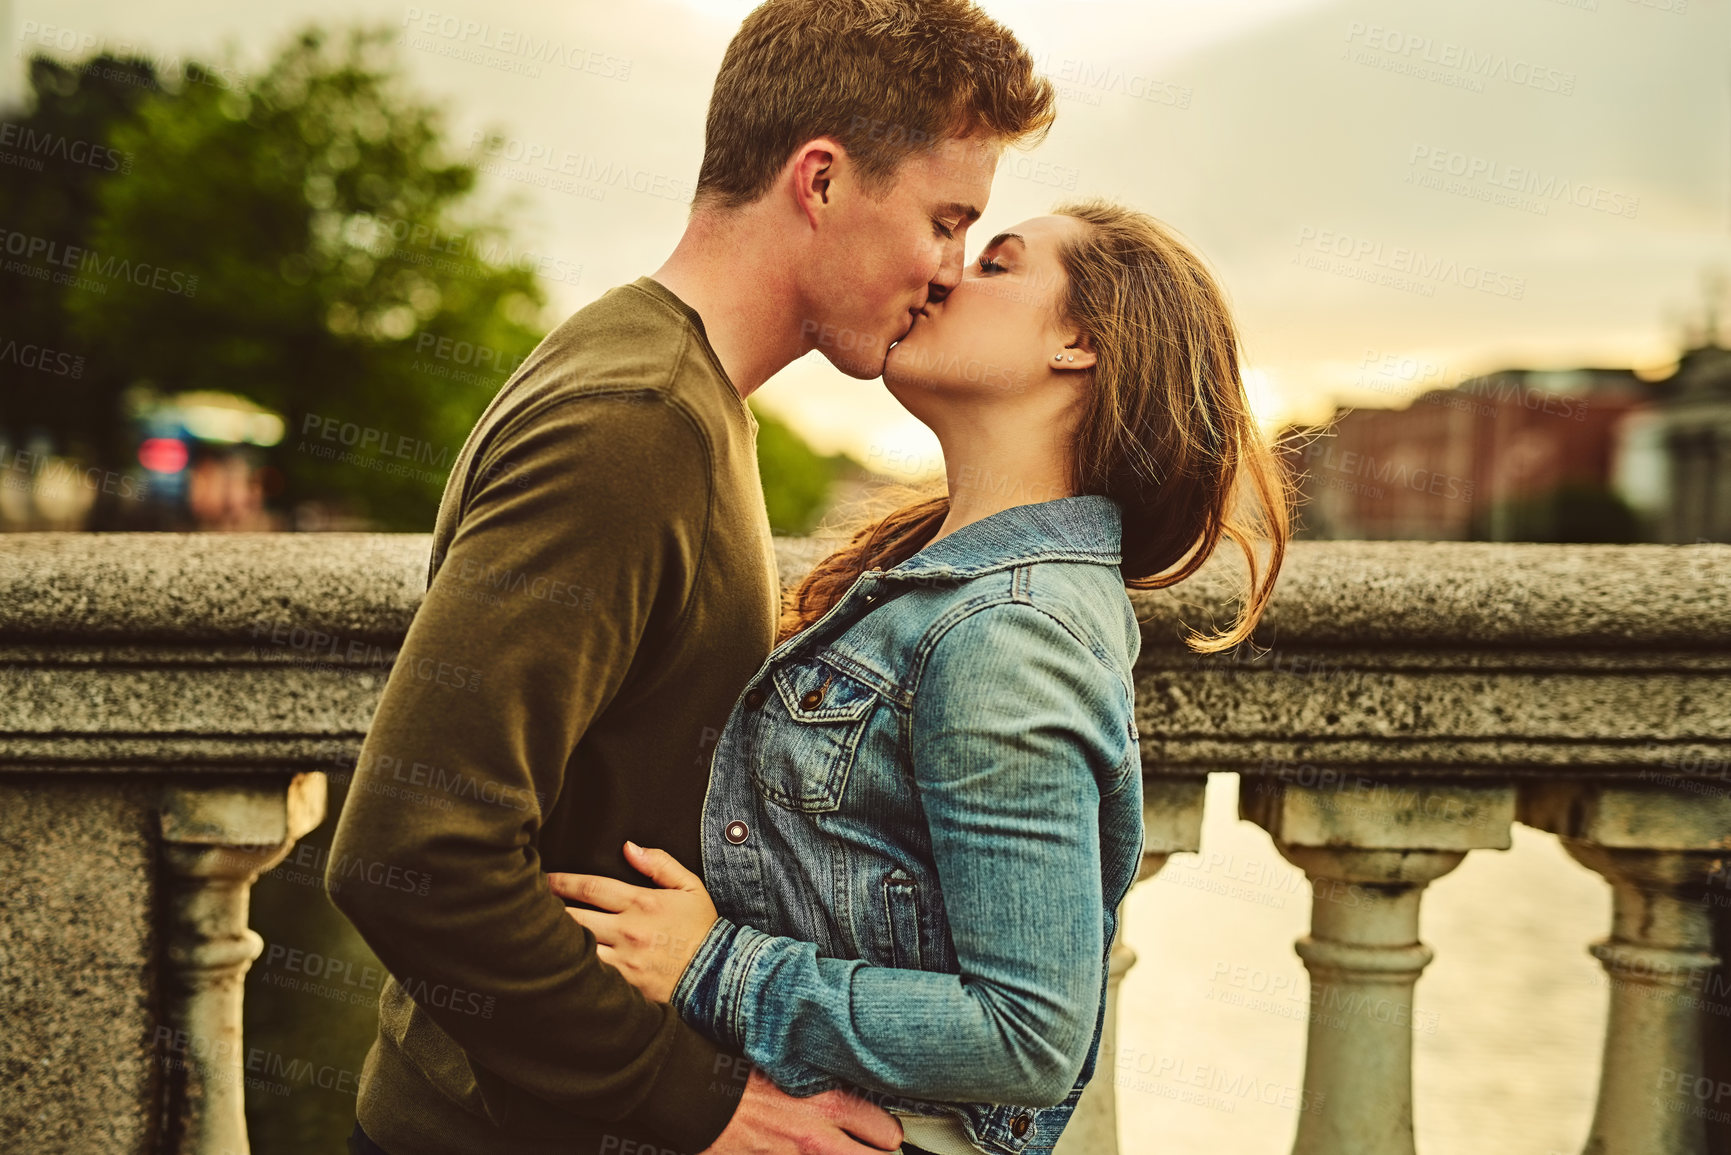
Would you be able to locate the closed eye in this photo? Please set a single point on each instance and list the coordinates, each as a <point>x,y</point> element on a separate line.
<point>987,265</point>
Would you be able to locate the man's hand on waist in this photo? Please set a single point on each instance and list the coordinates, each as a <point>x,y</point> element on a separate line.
<point>769,1121</point>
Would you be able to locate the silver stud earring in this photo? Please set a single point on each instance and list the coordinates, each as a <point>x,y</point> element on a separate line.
<point>1070,357</point>
<point>1057,356</point>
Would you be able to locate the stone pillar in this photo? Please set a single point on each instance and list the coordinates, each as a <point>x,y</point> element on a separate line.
<point>1171,823</point>
<point>216,839</point>
<point>1663,852</point>
<point>1369,849</point>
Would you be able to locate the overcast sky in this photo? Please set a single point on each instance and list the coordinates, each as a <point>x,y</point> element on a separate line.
<point>1395,194</point>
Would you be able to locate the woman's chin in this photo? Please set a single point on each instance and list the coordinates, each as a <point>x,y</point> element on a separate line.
<point>902,383</point>
<point>913,393</point>
<point>898,366</point>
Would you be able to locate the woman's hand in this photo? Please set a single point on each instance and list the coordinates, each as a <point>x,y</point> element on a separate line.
<point>648,935</point>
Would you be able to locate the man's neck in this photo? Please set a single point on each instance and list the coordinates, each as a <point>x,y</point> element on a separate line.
<point>739,285</point>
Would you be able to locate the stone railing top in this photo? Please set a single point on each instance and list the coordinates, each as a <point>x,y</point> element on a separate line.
<point>94,588</point>
<point>1470,594</point>
<point>79,587</point>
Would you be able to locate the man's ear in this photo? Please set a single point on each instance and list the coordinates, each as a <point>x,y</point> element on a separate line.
<point>816,166</point>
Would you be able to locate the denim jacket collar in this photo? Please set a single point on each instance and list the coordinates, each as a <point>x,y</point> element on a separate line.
<point>1085,528</point>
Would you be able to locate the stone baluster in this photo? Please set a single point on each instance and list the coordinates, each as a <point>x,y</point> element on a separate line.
<point>1172,824</point>
<point>1664,853</point>
<point>1368,849</point>
<point>216,839</point>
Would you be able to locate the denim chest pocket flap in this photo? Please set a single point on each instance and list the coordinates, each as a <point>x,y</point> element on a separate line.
<point>806,752</point>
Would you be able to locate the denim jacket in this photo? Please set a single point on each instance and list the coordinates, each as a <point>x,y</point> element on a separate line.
<point>922,815</point>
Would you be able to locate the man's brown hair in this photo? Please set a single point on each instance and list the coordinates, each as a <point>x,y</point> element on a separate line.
<point>885,78</point>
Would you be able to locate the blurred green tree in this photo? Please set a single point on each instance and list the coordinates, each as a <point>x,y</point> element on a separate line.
<point>55,159</point>
<point>797,480</point>
<point>301,238</point>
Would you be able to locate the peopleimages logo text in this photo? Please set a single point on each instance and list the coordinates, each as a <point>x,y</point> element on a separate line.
<point>516,42</point>
<point>1523,179</point>
<point>87,262</point>
<point>1478,64</point>
<point>41,358</point>
<point>1411,262</point>
<point>42,143</point>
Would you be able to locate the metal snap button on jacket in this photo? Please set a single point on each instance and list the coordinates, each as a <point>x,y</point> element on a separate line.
<point>1019,1125</point>
<point>736,832</point>
<point>811,699</point>
<point>754,698</point>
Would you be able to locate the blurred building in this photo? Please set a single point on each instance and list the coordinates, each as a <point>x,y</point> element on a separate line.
<point>1519,455</point>
<point>1677,454</point>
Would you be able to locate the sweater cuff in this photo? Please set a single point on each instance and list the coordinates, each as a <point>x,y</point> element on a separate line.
<point>695,1093</point>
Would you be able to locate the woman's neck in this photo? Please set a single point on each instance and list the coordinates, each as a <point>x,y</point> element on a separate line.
<point>993,464</point>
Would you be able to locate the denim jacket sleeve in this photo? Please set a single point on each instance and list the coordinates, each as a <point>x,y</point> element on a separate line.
<point>1017,729</point>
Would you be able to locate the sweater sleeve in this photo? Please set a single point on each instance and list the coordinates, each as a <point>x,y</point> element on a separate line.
<point>583,528</point>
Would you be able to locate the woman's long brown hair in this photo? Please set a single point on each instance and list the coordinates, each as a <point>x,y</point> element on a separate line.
<point>1167,433</point>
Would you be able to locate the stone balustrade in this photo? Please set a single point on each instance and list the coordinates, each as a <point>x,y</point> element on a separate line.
<point>169,701</point>
<point>1414,700</point>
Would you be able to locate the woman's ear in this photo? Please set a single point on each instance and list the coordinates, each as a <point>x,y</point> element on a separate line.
<point>1078,353</point>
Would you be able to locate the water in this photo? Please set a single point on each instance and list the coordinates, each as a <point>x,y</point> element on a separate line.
<point>1509,1018</point>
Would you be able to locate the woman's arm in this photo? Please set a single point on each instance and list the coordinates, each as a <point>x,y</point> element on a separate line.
<point>1009,752</point>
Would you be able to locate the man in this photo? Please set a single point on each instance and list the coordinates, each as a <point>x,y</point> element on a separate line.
<point>603,583</point>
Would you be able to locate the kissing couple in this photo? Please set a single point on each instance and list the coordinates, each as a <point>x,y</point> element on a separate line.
<point>832,873</point>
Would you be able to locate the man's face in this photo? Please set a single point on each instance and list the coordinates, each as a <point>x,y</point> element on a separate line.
<point>878,256</point>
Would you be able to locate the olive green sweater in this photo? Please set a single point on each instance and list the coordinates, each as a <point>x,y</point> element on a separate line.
<point>602,584</point>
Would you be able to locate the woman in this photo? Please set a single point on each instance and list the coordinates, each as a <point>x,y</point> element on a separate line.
<point>926,806</point>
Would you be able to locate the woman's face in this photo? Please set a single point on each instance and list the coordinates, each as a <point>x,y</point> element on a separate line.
<point>993,338</point>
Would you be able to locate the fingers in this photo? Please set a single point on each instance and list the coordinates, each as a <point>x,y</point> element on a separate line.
<point>841,1143</point>
<point>605,927</point>
<point>662,868</point>
<point>870,1124</point>
<point>594,889</point>
<point>833,1123</point>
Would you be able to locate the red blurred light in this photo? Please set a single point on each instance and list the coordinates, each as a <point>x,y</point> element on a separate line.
<point>163,455</point>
